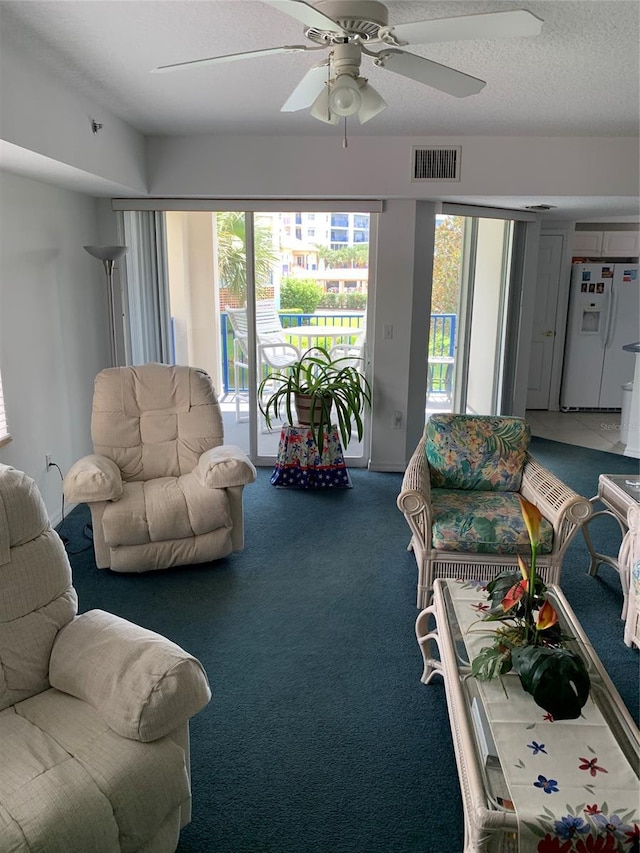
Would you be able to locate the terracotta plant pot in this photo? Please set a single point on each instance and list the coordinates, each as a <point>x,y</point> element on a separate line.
<point>304,404</point>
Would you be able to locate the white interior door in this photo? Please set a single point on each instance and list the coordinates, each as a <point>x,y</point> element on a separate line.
<point>543,335</point>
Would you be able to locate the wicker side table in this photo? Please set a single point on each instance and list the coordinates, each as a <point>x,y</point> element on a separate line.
<point>618,493</point>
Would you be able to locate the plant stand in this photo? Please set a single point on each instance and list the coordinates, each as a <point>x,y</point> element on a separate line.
<point>301,465</point>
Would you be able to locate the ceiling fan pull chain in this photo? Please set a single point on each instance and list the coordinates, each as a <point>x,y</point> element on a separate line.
<point>345,141</point>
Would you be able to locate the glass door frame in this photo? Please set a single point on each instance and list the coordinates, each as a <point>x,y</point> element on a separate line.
<point>511,298</point>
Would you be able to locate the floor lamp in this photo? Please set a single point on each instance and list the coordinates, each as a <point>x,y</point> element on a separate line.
<point>109,255</point>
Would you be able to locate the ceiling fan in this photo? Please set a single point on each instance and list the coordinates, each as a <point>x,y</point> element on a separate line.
<point>335,89</point>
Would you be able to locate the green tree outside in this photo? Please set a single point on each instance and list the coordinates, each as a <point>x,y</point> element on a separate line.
<point>447,264</point>
<point>301,293</point>
<point>232,254</point>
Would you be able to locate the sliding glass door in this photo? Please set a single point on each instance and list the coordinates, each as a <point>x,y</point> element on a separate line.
<point>250,292</point>
<point>470,301</point>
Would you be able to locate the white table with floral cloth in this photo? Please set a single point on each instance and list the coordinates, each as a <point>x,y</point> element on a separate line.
<point>571,785</point>
<point>301,464</point>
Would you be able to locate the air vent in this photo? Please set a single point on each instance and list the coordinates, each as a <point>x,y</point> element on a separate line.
<point>437,164</point>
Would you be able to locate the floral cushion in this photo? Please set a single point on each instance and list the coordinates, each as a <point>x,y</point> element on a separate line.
<point>477,451</point>
<point>483,523</point>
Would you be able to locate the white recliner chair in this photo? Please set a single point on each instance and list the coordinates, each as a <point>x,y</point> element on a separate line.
<point>94,738</point>
<point>163,488</point>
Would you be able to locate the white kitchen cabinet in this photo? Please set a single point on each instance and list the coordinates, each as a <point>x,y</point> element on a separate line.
<point>588,243</point>
<point>606,244</point>
<point>617,244</point>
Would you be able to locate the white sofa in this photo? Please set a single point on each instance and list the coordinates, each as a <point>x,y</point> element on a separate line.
<point>94,739</point>
<point>163,488</point>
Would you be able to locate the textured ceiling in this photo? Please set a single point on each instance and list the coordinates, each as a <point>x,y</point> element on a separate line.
<point>579,77</point>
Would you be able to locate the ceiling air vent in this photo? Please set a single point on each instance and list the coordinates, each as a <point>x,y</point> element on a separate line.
<point>436,164</point>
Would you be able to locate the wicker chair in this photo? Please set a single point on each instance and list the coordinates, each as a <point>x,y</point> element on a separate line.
<point>460,499</point>
<point>629,563</point>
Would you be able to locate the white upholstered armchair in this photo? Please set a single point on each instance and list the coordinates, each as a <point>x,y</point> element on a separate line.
<point>94,710</point>
<point>163,488</point>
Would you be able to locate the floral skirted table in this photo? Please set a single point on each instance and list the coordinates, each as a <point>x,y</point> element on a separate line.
<point>301,464</point>
<point>571,786</point>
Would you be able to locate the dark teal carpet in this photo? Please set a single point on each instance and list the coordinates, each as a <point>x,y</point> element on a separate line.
<point>320,737</point>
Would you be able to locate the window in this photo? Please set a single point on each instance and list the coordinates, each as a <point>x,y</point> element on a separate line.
<point>311,232</point>
<point>340,220</point>
<point>339,236</point>
<point>4,427</point>
<point>360,236</point>
<point>361,221</point>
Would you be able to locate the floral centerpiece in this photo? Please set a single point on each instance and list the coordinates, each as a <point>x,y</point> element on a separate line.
<point>530,640</point>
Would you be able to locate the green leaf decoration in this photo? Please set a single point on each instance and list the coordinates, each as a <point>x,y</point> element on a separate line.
<point>490,662</point>
<point>604,808</point>
<point>534,829</point>
<point>556,678</point>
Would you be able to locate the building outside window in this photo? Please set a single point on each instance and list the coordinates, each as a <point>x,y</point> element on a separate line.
<point>339,220</point>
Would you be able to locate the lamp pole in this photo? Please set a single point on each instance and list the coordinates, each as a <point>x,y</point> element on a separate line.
<point>109,255</point>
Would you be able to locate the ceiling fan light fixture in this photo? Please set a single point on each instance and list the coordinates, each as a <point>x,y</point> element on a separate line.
<point>320,108</point>
<point>372,102</point>
<point>345,98</point>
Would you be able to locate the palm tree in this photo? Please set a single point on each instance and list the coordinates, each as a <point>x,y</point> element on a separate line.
<point>232,255</point>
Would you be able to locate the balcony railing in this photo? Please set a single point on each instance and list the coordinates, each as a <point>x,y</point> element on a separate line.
<point>442,338</point>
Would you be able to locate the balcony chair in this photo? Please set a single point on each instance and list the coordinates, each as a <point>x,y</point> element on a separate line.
<point>273,350</point>
<point>94,710</point>
<point>163,488</point>
<point>460,499</point>
<point>354,351</point>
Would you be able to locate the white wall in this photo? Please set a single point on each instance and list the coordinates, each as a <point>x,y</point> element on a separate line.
<point>40,115</point>
<point>53,326</point>
<point>380,167</point>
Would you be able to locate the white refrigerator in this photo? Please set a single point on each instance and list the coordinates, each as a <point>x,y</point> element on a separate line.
<point>604,315</point>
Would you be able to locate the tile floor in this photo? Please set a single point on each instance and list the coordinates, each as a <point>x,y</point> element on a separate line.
<point>596,430</point>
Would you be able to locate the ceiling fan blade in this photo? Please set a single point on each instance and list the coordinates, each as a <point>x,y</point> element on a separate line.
<point>307,90</point>
<point>490,25</point>
<point>232,57</point>
<point>430,73</point>
<point>306,14</point>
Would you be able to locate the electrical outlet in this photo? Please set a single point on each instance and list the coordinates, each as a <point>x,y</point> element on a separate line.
<point>387,331</point>
<point>47,460</point>
<point>397,420</point>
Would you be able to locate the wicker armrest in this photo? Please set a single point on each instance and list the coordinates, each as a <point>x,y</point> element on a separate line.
<point>559,504</point>
<point>414,499</point>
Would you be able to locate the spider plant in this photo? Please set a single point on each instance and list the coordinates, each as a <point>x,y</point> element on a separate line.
<point>330,385</point>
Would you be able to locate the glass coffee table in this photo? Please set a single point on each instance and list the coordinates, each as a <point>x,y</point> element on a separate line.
<point>523,776</point>
<point>618,493</point>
